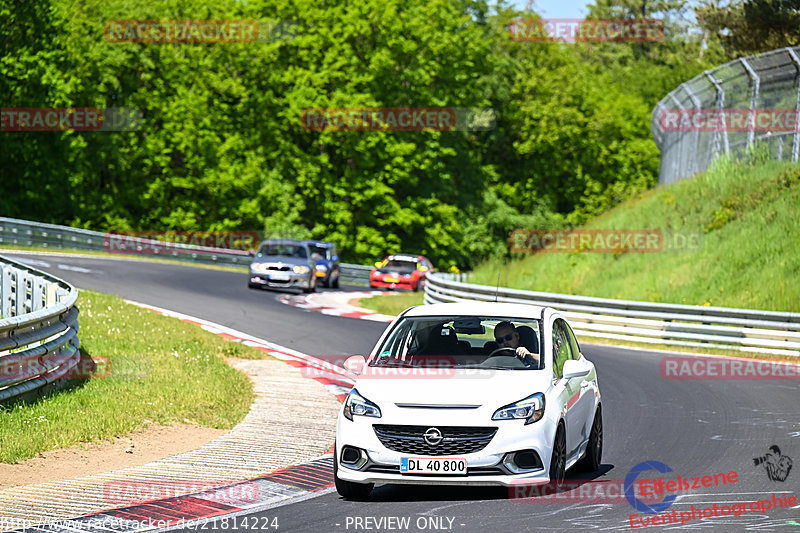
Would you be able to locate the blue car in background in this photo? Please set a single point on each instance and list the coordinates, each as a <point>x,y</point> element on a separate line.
<point>327,260</point>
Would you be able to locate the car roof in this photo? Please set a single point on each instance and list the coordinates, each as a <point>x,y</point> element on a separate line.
<point>283,241</point>
<point>404,257</point>
<point>472,308</point>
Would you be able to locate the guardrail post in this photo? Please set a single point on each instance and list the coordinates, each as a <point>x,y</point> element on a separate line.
<point>6,291</point>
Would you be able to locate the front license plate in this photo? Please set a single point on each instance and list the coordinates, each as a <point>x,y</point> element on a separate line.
<point>279,277</point>
<point>391,280</point>
<point>440,465</point>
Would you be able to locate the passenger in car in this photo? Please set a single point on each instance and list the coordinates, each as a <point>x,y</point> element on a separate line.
<point>507,335</point>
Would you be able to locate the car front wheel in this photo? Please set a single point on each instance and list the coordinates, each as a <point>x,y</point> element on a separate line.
<point>558,461</point>
<point>347,489</point>
<point>312,286</point>
<point>594,449</point>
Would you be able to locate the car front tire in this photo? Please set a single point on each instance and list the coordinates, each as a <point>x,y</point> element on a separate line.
<point>347,489</point>
<point>312,287</point>
<point>558,460</point>
<point>594,449</point>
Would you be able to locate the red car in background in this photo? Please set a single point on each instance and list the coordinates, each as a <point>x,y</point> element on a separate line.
<point>400,270</point>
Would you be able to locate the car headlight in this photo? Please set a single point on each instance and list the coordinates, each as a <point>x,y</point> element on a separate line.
<point>531,409</point>
<point>300,269</point>
<point>259,267</point>
<point>355,404</point>
<point>322,268</point>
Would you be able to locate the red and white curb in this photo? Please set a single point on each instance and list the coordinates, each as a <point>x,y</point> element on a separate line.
<point>286,485</point>
<point>336,304</point>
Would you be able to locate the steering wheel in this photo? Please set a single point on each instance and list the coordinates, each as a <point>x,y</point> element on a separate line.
<point>512,352</point>
<point>501,357</point>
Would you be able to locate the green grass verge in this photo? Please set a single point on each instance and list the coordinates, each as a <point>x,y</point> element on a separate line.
<point>391,304</point>
<point>131,257</point>
<point>163,371</point>
<point>750,257</point>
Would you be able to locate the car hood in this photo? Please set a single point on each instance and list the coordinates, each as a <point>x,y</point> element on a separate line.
<point>448,387</point>
<point>281,259</point>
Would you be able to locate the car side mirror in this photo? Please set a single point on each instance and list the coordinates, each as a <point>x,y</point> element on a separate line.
<point>251,252</point>
<point>377,264</point>
<point>355,364</point>
<point>335,258</point>
<point>573,369</point>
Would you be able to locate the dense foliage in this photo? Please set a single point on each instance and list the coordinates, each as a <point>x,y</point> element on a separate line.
<point>222,146</point>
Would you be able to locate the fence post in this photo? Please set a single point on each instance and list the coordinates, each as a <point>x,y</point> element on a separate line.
<point>796,140</point>
<point>756,82</point>
<point>694,165</point>
<point>679,169</point>
<point>720,107</point>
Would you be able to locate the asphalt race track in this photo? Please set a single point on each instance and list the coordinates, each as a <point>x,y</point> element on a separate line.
<point>697,428</point>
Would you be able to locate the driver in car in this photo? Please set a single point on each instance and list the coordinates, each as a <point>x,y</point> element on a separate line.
<point>507,336</point>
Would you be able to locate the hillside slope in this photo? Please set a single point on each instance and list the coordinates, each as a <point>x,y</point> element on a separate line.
<point>748,216</point>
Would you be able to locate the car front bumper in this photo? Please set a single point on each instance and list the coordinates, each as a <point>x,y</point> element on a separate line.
<point>294,281</point>
<point>401,283</point>
<point>484,468</point>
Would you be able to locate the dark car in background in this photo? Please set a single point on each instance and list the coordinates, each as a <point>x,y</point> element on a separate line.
<point>401,271</point>
<point>327,260</point>
<point>283,264</point>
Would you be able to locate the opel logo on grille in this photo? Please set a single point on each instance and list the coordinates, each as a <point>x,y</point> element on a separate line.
<point>433,436</point>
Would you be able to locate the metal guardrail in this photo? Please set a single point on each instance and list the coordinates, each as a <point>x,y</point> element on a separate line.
<point>768,80</point>
<point>671,324</point>
<point>38,329</point>
<point>16,232</point>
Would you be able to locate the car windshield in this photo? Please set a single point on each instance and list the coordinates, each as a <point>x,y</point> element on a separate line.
<point>283,250</point>
<point>400,265</point>
<point>323,251</point>
<point>464,341</point>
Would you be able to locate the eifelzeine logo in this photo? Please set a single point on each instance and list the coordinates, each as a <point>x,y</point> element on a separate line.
<point>398,119</point>
<point>581,30</point>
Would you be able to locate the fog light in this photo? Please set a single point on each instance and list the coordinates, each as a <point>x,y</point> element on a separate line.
<point>353,457</point>
<point>522,461</point>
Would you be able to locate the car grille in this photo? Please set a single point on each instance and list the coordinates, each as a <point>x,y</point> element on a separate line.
<point>456,440</point>
<point>281,268</point>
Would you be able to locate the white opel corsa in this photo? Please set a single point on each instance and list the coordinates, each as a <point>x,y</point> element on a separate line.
<point>440,402</point>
